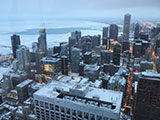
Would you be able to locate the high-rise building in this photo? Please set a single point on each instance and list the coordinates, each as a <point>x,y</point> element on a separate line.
<point>125,45</point>
<point>22,90</point>
<point>96,40</point>
<point>137,47</point>
<point>76,101</point>
<point>126,27</point>
<point>81,69</point>
<point>116,53</point>
<point>23,57</point>
<point>146,105</point>
<point>87,58</point>
<point>15,40</point>
<point>64,49</point>
<point>71,43</point>
<point>136,31</point>
<point>42,41</point>
<point>105,56</point>
<point>105,32</point>
<point>75,59</point>
<point>34,47</point>
<point>50,66</point>
<point>113,33</point>
<point>64,64</point>
<point>77,36</point>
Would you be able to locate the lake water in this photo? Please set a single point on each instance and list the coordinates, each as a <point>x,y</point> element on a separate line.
<point>57,31</point>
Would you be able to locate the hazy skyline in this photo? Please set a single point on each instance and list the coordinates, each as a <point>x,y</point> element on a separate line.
<point>79,9</point>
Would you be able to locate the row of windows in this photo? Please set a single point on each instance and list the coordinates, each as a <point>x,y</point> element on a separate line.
<point>80,115</point>
<point>63,112</point>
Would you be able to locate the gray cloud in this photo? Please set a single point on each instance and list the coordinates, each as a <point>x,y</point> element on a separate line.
<point>79,8</point>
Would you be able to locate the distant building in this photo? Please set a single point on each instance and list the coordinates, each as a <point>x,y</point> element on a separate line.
<point>64,64</point>
<point>42,41</point>
<point>137,31</point>
<point>15,40</point>
<point>77,36</point>
<point>92,72</point>
<point>137,50</point>
<point>110,69</point>
<point>50,66</point>
<point>144,36</point>
<point>87,57</point>
<point>126,27</point>
<point>105,56</point>
<point>125,45</point>
<point>71,43</point>
<point>147,97</point>
<point>34,47</point>
<point>32,88</point>
<point>75,59</point>
<point>116,53</point>
<point>23,57</point>
<point>105,32</point>
<point>146,65</point>
<point>57,50</point>
<point>113,33</point>
<point>96,40</point>
<point>22,90</point>
<point>64,49</point>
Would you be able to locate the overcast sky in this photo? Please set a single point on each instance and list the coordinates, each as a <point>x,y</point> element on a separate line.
<point>83,9</point>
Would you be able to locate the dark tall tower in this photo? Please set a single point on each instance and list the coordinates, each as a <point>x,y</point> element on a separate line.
<point>64,63</point>
<point>136,32</point>
<point>126,27</point>
<point>15,40</point>
<point>42,41</point>
<point>116,53</point>
<point>105,32</point>
<point>146,104</point>
<point>113,34</point>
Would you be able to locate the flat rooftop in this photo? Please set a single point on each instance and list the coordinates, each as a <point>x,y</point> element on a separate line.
<point>72,78</point>
<point>94,96</point>
<point>151,74</point>
<point>24,83</point>
<point>49,60</point>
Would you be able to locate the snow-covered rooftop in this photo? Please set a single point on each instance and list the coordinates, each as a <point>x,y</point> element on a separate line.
<point>151,74</point>
<point>24,83</point>
<point>55,88</point>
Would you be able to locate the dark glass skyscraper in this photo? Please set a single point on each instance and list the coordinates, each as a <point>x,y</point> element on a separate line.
<point>126,27</point>
<point>136,32</point>
<point>113,34</point>
<point>116,53</point>
<point>15,40</point>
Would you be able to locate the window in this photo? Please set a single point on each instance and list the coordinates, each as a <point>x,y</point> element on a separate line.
<point>41,104</point>
<point>51,106</point>
<point>46,105</point>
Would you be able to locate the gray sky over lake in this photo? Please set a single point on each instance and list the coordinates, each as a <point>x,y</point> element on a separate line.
<point>83,9</point>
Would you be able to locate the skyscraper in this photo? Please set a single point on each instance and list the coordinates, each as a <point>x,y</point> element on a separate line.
<point>113,34</point>
<point>42,41</point>
<point>126,27</point>
<point>75,59</point>
<point>15,40</point>
<point>116,53</point>
<point>136,32</point>
<point>105,32</point>
<point>77,36</point>
<point>64,64</point>
<point>147,96</point>
<point>71,43</point>
<point>23,57</point>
